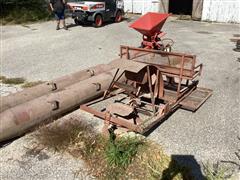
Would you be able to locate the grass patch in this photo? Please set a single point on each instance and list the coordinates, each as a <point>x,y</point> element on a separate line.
<point>31,84</point>
<point>17,80</point>
<point>2,78</point>
<point>126,157</point>
<point>120,152</point>
<point>215,171</point>
<point>153,163</point>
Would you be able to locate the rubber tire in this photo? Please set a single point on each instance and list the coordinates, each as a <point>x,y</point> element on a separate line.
<point>167,48</point>
<point>77,22</point>
<point>98,21</point>
<point>141,46</point>
<point>118,17</point>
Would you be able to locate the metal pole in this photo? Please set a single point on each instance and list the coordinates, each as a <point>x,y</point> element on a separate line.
<point>53,86</point>
<point>17,120</point>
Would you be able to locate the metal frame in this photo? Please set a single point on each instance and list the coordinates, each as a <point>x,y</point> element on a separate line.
<point>169,71</point>
<point>165,94</point>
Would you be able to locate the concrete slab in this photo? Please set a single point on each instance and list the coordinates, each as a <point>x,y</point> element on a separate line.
<point>39,52</point>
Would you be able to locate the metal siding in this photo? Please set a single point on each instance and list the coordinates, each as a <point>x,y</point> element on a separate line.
<point>221,11</point>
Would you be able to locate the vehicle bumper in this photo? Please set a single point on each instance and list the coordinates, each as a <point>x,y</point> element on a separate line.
<point>82,16</point>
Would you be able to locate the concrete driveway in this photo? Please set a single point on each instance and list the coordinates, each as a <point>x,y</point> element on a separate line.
<point>39,52</point>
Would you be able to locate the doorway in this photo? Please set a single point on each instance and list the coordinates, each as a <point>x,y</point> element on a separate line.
<point>182,7</point>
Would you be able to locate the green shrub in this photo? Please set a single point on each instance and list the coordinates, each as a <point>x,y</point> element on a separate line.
<point>19,11</point>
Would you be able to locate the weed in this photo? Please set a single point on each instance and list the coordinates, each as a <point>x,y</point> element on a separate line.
<point>77,138</point>
<point>126,157</point>
<point>13,80</point>
<point>120,152</point>
<point>155,164</point>
<point>236,163</point>
<point>19,80</point>
<point>2,78</point>
<point>31,84</point>
<point>214,172</point>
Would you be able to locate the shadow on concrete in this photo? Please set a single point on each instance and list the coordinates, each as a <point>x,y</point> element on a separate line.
<point>8,142</point>
<point>90,24</point>
<point>71,25</point>
<point>189,168</point>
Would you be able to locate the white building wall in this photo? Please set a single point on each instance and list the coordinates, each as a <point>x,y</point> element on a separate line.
<point>221,11</point>
<point>141,6</point>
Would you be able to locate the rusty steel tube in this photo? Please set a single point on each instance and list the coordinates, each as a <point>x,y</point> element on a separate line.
<point>17,120</point>
<point>53,86</point>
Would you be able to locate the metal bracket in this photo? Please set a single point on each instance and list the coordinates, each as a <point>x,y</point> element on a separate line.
<point>55,105</point>
<point>98,86</point>
<point>54,86</point>
<point>92,73</point>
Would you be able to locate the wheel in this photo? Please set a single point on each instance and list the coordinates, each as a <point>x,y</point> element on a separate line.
<point>77,22</point>
<point>168,48</point>
<point>98,21</point>
<point>118,17</point>
<point>142,46</point>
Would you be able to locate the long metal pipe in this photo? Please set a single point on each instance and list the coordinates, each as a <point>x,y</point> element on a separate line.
<point>17,120</point>
<point>53,86</point>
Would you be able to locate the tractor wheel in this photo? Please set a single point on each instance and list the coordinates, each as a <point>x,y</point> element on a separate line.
<point>98,21</point>
<point>118,17</point>
<point>77,22</point>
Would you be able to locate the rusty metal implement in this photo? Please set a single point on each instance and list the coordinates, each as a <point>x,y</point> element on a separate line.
<point>157,83</point>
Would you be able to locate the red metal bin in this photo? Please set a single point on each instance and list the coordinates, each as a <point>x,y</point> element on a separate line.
<point>150,26</point>
<point>150,23</point>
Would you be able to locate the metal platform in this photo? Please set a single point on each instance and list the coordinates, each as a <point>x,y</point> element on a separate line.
<point>196,99</point>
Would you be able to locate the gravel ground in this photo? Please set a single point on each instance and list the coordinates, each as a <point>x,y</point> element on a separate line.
<point>7,89</point>
<point>24,159</point>
<point>38,52</point>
